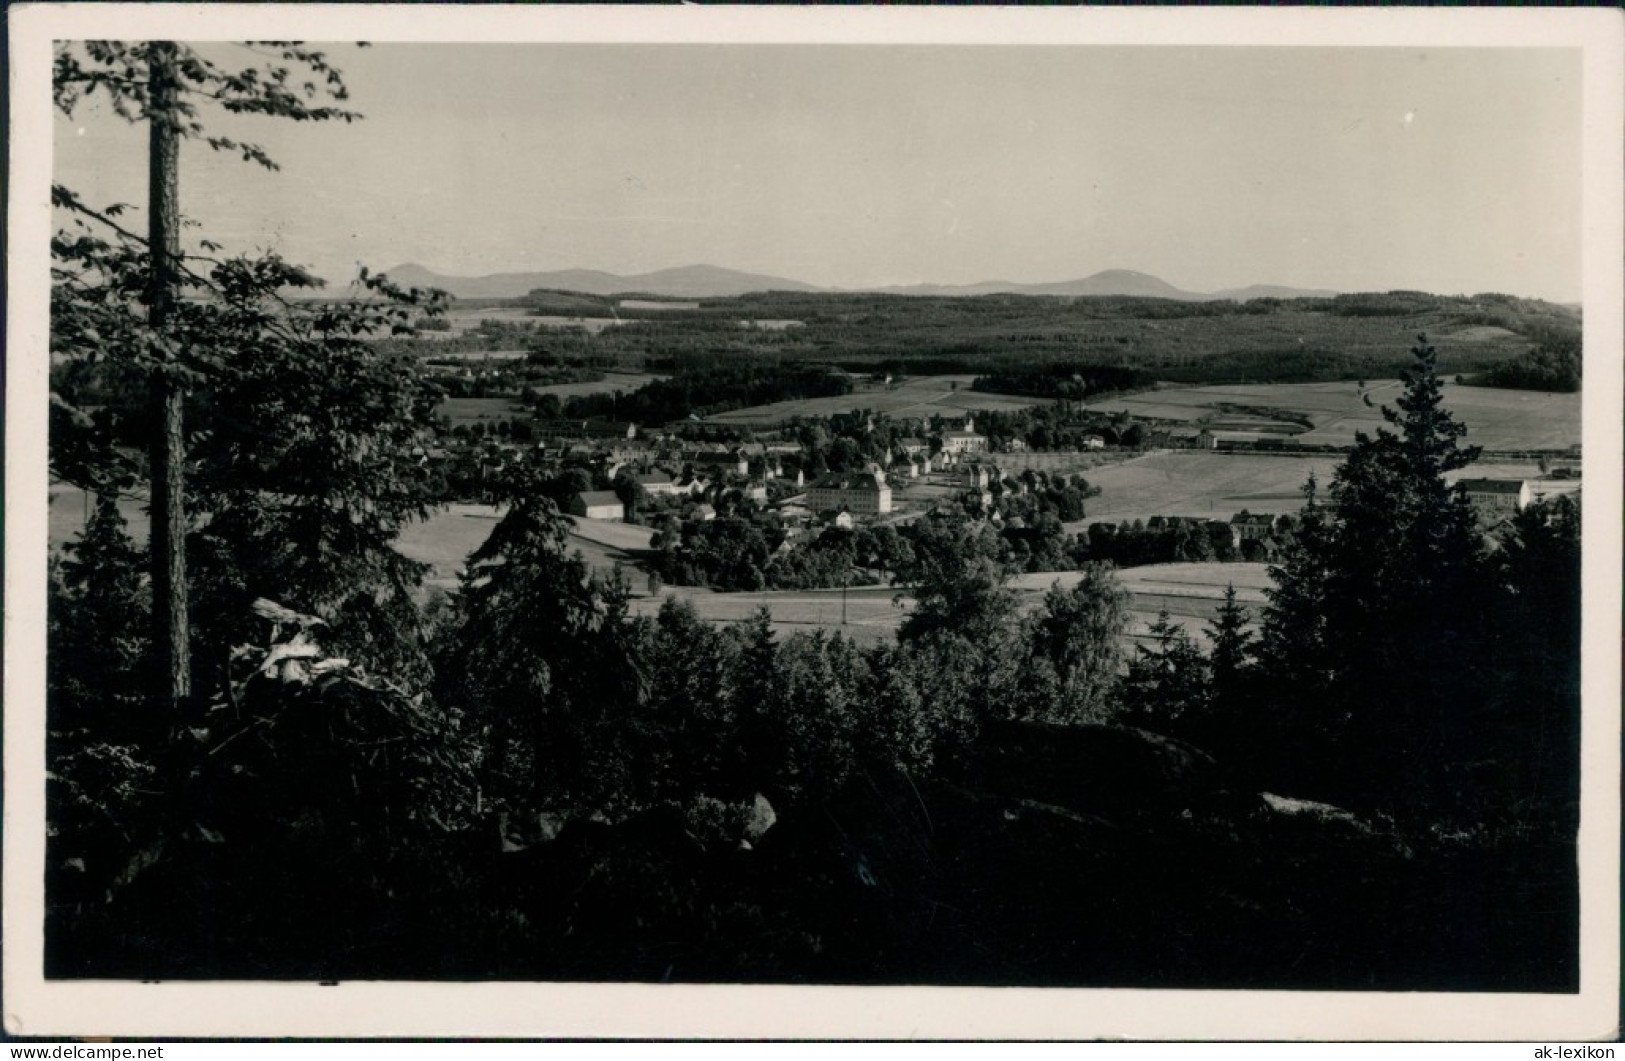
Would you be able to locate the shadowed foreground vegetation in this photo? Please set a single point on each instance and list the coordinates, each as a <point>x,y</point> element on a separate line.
<point>1379,791</point>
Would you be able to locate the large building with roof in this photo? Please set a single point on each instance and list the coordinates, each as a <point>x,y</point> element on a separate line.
<point>1496,499</point>
<point>598,504</point>
<point>862,493</point>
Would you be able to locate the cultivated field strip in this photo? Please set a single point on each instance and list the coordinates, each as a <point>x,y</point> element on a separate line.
<point>1496,419</point>
<point>912,398</point>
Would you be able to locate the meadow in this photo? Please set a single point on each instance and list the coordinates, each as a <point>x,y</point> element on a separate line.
<point>1496,419</point>
<point>445,540</point>
<point>1218,485</point>
<point>618,382</point>
<point>469,410</point>
<point>592,325</point>
<point>1199,484</point>
<point>912,398</point>
<point>1190,593</point>
<point>464,319</point>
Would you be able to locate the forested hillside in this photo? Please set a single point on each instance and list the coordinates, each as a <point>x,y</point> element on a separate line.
<point>1262,340</point>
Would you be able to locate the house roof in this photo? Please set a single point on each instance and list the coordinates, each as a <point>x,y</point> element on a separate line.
<point>1492,486</point>
<point>855,481</point>
<point>1252,519</point>
<point>654,479</point>
<point>594,498</point>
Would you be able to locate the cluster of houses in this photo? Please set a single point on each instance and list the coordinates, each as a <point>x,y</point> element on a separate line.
<point>623,448</point>
<point>836,497</point>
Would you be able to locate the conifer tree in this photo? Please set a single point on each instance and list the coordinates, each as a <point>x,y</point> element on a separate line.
<point>163,84</point>
<point>1373,640</point>
<point>1166,687</point>
<point>1229,659</point>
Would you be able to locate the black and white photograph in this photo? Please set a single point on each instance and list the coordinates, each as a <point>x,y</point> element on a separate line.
<point>733,512</point>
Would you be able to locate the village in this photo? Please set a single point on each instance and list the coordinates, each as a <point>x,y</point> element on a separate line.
<point>910,468</point>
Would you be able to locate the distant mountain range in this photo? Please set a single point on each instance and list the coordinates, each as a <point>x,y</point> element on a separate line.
<point>710,281</point>
<point>688,281</point>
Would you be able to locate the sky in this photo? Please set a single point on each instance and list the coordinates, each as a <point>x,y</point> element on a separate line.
<point>1453,170</point>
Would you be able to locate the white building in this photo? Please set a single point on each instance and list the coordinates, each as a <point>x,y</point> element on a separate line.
<point>1496,499</point>
<point>912,447</point>
<point>598,504</point>
<point>957,442</point>
<point>863,493</point>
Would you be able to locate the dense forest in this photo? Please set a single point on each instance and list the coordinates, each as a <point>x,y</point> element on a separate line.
<point>1062,380</point>
<point>1541,369</point>
<point>1263,340</point>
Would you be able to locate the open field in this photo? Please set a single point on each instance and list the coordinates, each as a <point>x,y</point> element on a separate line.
<point>1193,581</point>
<point>1495,419</point>
<point>771,325</point>
<point>445,540</point>
<point>1510,419</point>
<point>619,382</point>
<point>469,410</point>
<point>466,319</point>
<point>873,613</point>
<point>913,398</point>
<point>587,324</point>
<point>1198,484</point>
<point>657,306</point>
<point>611,534</point>
<point>1191,593</point>
<point>484,357</point>
<point>1056,463</point>
<point>1218,485</point>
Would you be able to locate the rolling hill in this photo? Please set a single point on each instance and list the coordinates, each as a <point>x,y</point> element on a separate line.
<point>710,281</point>
<point>689,281</point>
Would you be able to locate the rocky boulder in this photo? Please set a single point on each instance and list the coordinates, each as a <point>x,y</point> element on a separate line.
<point>1113,772</point>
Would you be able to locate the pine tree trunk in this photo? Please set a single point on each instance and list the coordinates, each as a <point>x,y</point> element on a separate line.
<point>171,633</point>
